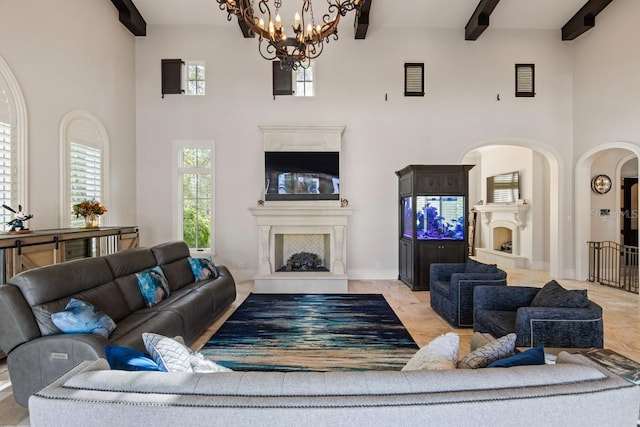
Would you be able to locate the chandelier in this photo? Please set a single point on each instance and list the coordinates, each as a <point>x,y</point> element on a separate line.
<point>309,35</point>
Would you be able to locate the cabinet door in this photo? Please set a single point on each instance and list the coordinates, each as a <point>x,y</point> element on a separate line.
<point>406,261</point>
<point>452,252</point>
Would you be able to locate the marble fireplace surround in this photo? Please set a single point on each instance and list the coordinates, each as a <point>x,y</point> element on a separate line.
<point>278,219</point>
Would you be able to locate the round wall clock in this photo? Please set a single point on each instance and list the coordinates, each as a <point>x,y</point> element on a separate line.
<point>601,184</point>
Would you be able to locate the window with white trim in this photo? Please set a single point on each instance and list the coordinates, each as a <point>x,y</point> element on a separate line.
<point>194,78</point>
<point>305,85</point>
<point>84,162</point>
<point>13,145</point>
<point>194,184</point>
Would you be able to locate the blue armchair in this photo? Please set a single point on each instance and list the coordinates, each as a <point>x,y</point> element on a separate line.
<point>500,310</point>
<point>451,287</point>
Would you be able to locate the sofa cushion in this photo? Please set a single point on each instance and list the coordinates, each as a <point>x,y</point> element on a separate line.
<point>202,269</point>
<point>533,356</point>
<point>440,287</point>
<point>153,286</point>
<point>473,266</point>
<point>497,323</point>
<point>439,354</point>
<point>554,295</point>
<point>498,349</point>
<point>129,359</point>
<point>80,317</point>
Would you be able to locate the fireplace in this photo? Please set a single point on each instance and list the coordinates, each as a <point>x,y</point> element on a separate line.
<point>314,226</point>
<point>504,222</point>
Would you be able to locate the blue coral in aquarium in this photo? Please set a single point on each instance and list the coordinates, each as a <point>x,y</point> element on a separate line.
<point>433,224</point>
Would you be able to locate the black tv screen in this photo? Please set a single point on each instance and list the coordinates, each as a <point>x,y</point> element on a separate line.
<point>503,188</point>
<point>302,175</point>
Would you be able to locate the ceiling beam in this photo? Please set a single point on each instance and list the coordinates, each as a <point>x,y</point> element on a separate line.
<point>584,20</point>
<point>479,21</point>
<point>361,23</point>
<point>130,17</point>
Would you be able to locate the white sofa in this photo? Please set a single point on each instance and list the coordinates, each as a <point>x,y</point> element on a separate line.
<point>573,392</point>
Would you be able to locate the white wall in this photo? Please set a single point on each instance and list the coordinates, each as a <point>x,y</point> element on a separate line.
<point>606,87</point>
<point>459,110</point>
<point>67,55</point>
<point>606,60</point>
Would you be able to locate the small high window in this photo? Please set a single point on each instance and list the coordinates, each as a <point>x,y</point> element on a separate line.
<point>195,78</point>
<point>304,81</point>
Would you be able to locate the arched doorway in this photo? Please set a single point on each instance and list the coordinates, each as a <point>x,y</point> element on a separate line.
<point>553,192</point>
<point>607,159</point>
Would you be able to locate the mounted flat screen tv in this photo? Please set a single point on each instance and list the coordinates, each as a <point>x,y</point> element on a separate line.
<point>503,188</point>
<point>440,217</point>
<point>302,175</point>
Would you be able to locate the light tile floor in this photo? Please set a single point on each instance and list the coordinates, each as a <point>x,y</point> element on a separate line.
<point>621,321</point>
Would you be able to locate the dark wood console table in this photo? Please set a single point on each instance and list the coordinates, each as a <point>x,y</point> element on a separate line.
<point>22,251</point>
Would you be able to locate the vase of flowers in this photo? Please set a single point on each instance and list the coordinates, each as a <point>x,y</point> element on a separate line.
<point>90,210</point>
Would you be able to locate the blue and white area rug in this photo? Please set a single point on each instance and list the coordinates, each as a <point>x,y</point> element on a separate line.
<point>312,332</point>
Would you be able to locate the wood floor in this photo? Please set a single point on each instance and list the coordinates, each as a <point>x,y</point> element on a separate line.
<point>621,322</point>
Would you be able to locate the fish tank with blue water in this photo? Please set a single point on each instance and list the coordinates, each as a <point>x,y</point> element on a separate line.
<point>440,217</point>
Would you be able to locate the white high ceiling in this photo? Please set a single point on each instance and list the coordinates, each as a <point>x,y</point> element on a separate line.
<point>508,14</point>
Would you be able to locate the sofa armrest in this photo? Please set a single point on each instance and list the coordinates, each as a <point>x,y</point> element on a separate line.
<point>17,320</point>
<point>37,363</point>
<point>503,298</point>
<point>441,272</point>
<point>560,326</point>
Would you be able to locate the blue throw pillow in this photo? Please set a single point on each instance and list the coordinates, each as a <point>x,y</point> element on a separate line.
<point>534,356</point>
<point>80,317</point>
<point>473,266</point>
<point>129,359</point>
<point>554,295</point>
<point>153,286</point>
<point>203,269</point>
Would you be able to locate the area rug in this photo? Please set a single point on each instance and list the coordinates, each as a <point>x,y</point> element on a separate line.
<point>312,332</point>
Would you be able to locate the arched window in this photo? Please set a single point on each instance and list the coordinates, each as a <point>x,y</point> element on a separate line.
<point>85,163</point>
<point>13,143</point>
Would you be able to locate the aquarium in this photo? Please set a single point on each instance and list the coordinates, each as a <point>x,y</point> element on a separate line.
<point>440,217</point>
<point>407,215</point>
<point>291,175</point>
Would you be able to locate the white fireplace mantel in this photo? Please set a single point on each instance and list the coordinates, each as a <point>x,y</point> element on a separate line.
<point>301,219</point>
<point>518,210</point>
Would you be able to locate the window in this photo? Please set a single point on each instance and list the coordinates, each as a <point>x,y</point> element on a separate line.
<point>6,177</point>
<point>85,164</point>
<point>304,81</point>
<point>13,136</point>
<point>195,83</point>
<point>414,79</point>
<point>525,80</point>
<point>85,176</point>
<point>194,189</point>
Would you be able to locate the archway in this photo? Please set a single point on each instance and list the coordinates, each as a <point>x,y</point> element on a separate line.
<point>583,207</point>
<point>556,193</point>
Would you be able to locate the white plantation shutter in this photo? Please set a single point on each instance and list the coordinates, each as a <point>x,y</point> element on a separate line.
<point>7,183</point>
<point>85,168</point>
<point>525,80</point>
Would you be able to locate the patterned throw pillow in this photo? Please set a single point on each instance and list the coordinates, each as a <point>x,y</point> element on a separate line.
<point>80,317</point>
<point>439,354</point>
<point>202,268</point>
<point>481,357</point>
<point>173,356</point>
<point>153,286</point>
<point>168,353</point>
